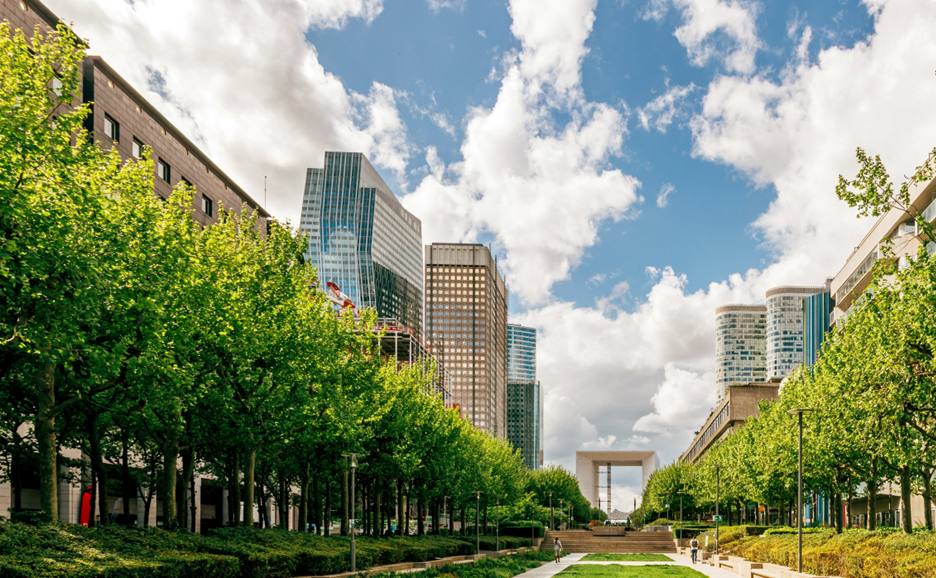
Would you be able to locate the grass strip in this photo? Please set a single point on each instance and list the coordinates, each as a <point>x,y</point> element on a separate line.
<point>616,571</point>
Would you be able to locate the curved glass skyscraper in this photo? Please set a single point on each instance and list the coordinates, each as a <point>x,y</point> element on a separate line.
<point>362,239</point>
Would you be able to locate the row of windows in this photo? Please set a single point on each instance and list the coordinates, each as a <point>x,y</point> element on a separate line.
<point>163,170</point>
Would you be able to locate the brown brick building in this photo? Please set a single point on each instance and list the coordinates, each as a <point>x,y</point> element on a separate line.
<point>121,117</point>
<point>466,327</point>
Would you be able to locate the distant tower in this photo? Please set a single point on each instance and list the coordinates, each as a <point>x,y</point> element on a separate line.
<point>466,326</point>
<point>740,345</point>
<point>524,395</point>
<point>785,329</point>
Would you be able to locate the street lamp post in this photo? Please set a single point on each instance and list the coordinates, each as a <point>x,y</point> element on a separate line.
<point>550,511</point>
<point>562,507</point>
<point>681,494</point>
<point>352,460</point>
<point>497,522</point>
<point>717,515</point>
<point>799,494</point>
<point>477,522</point>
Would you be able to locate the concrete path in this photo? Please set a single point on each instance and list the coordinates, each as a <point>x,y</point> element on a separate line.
<point>551,568</point>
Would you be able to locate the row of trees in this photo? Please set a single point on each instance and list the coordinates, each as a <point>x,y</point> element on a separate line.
<point>872,394</point>
<point>162,349</point>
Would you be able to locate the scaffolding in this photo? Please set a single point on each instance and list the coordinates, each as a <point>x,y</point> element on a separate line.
<point>401,343</point>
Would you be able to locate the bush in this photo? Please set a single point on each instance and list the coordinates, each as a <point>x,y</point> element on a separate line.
<point>506,542</point>
<point>59,550</point>
<point>522,529</point>
<point>852,554</point>
<point>504,567</point>
<point>729,534</point>
<point>690,530</point>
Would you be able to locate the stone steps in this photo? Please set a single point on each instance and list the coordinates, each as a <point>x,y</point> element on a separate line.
<point>579,541</point>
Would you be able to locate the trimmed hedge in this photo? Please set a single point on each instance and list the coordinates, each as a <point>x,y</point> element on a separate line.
<point>59,550</point>
<point>490,542</point>
<point>852,554</point>
<point>729,534</point>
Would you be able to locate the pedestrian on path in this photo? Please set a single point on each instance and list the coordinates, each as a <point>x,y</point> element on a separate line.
<point>694,545</point>
<point>557,547</point>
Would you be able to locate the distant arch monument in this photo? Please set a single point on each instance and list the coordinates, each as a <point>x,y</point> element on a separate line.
<point>588,466</point>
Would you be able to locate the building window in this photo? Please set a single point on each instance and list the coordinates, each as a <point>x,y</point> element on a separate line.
<point>207,205</point>
<point>163,170</point>
<point>137,149</point>
<point>111,128</point>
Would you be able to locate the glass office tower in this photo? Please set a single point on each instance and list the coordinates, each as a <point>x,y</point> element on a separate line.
<point>785,329</point>
<point>817,317</point>
<point>740,346</point>
<point>524,396</point>
<point>362,239</point>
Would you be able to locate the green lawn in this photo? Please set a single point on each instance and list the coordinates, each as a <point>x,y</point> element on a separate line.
<point>618,571</point>
<point>626,558</point>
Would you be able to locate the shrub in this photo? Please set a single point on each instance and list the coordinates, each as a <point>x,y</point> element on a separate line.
<point>852,554</point>
<point>59,550</point>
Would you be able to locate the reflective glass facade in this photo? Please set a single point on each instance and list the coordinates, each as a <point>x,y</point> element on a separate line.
<point>817,316</point>
<point>785,329</point>
<point>524,396</point>
<point>740,346</point>
<point>362,239</point>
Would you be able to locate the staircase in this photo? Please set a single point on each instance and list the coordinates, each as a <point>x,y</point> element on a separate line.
<point>584,541</point>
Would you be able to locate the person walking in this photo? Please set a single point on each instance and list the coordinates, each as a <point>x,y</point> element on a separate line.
<point>557,548</point>
<point>694,546</point>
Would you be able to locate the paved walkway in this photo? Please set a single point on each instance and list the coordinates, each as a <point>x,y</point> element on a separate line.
<point>551,569</point>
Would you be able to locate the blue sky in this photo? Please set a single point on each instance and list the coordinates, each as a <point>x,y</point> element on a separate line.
<point>548,128</point>
<point>443,59</point>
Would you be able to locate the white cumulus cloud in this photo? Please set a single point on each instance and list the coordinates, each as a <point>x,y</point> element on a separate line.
<point>663,196</point>
<point>660,112</point>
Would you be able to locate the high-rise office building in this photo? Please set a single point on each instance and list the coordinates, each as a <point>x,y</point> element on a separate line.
<point>817,321</point>
<point>785,329</point>
<point>466,328</point>
<point>524,396</point>
<point>362,239</point>
<point>740,346</point>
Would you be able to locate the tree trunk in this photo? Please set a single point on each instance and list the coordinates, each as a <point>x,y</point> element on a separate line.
<point>464,526</point>
<point>185,499</point>
<point>45,438</point>
<point>249,486</point>
<point>304,497</point>
<point>344,503</point>
<point>782,514</point>
<point>871,523</point>
<point>406,509</point>
<point>451,518</point>
<point>906,494</point>
<point>420,521</point>
<point>16,467</point>
<point>928,498</point>
<point>283,502</point>
<point>170,471</point>
<point>848,506</point>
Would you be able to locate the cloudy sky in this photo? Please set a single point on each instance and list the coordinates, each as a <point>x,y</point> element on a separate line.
<point>635,163</point>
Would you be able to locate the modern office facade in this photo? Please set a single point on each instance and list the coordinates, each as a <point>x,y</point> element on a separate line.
<point>817,321</point>
<point>524,396</point>
<point>362,239</point>
<point>740,403</point>
<point>896,227</point>
<point>740,346</point>
<point>122,119</point>
<point>785,329</point>
<point>466,328</point>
